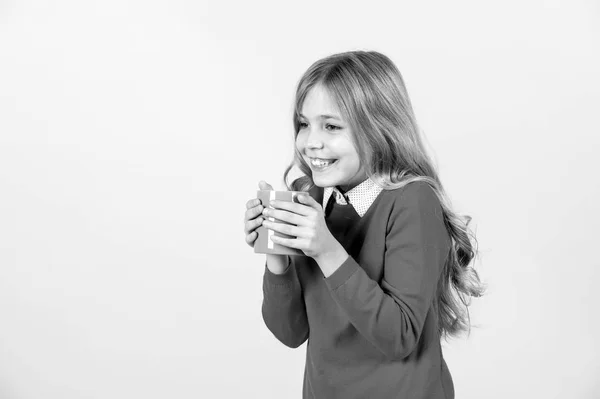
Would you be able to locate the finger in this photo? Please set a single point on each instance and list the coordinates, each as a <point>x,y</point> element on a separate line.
<point>251,225</point>
<point>250,238</point>
<point>299,209</point>
<point>284,228</point>
<point>309,201</point>
<point>253,212</point>
<point>286,242</point>
<point>263,185</point>
<point>285,216</point>
<point>252,203</point>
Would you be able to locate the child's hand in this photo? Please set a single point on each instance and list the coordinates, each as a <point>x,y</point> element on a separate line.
<point>251,221</point>
<point>307,225</point>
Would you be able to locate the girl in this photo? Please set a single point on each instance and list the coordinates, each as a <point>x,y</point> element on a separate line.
<point>387,268</point>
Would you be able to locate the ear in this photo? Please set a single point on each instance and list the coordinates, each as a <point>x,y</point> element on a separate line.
<point>307,200</point>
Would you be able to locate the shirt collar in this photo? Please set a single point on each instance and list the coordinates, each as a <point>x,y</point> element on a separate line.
<point>360,197</point>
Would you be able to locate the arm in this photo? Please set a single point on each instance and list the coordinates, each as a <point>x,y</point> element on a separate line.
<point>283,308</point>
<point>391,315</point>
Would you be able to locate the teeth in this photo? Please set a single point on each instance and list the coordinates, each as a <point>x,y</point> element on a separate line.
<point>320,162</point>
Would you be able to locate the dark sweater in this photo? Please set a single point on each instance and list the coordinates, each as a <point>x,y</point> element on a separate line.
<point>371,326</point>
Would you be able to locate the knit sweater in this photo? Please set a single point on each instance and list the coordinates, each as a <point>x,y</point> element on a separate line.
<point>371,326</point>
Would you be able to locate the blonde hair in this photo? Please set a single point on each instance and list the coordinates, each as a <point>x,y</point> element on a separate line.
<point>373,99</point>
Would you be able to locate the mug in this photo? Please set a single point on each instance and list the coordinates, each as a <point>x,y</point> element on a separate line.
<point>263,243</point>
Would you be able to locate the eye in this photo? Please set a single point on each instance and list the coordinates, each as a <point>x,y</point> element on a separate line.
<point>332,127</point>
<point>302,125</point>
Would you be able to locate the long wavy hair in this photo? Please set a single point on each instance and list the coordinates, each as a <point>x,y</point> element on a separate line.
<point>371,95</point>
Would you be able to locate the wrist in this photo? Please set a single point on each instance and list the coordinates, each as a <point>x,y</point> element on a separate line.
<point>278,264</point>
<point>330,261</point>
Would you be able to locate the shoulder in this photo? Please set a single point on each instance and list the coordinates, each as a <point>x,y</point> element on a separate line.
<point>416,217</point>
<point>417,194</point>
<point>415,203</point>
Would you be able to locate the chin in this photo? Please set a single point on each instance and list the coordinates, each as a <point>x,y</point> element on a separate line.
<point>319,182</point>
<point>324,181</point>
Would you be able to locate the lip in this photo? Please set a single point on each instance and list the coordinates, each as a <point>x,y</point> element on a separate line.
<point>319,169</point>
<point>323,159</point>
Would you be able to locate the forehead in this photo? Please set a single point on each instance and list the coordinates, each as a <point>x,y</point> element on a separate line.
<point>318,101</point>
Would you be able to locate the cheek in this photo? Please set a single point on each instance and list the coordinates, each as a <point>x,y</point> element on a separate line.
<point>344,148</point>
<point>300,142</point>
<point>357,161</point>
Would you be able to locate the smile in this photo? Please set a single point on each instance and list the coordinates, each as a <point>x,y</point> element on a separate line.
<point>321,164</point>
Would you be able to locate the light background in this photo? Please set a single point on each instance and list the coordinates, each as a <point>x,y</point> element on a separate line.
<point>133,132</point>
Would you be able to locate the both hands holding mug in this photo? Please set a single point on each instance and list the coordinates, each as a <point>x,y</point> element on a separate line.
<point>304,224</point>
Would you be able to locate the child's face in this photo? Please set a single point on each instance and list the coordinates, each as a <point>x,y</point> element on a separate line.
<point>325,135</point>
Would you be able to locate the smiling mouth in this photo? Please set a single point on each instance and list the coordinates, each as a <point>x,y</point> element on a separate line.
<point>319,163</point>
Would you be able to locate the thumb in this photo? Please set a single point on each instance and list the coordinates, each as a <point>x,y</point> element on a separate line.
<point>263,185</point>
<point>307,199</point>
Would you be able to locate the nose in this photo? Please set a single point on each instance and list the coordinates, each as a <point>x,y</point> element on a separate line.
<point>314,139</point>
<point>314,144</point>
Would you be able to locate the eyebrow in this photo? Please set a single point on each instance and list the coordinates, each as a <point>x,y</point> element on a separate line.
<point>325,116</point>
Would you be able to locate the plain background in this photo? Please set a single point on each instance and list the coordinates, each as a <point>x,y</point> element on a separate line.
<point>133,132</point>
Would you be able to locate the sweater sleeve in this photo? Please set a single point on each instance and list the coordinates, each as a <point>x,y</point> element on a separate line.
<point>391,315</point>
<point>283,308</point>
